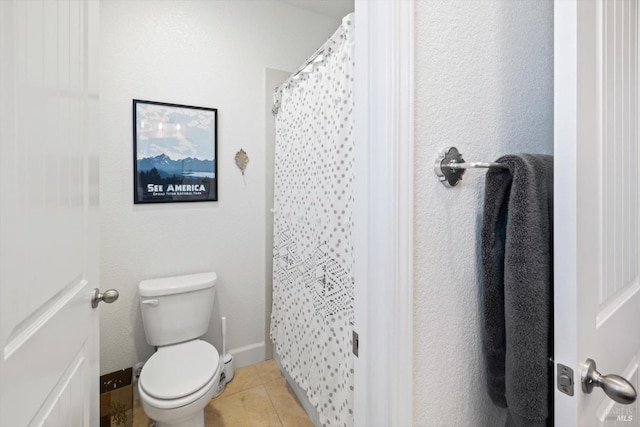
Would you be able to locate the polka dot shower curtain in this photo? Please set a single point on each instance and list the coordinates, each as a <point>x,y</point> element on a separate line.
<point>313,266</point>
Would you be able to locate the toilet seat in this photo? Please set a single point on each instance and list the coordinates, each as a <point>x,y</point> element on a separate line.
<point>179,372</point>
<point>167,404</point>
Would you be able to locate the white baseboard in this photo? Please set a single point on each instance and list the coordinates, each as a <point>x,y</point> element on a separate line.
<point>248,355</point>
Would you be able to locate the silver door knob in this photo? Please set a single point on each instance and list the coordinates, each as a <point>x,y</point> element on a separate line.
<point>108,296</point>
<point>616,387</point>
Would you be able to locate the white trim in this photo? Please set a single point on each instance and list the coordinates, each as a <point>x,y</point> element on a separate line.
<point>384,213</point>
<point>565,27</point>
<point>247,355</point>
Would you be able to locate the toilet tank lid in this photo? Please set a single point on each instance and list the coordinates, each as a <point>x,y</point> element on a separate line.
<point>176,284</point>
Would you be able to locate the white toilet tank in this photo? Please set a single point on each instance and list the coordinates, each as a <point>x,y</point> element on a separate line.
<point>176,309</point>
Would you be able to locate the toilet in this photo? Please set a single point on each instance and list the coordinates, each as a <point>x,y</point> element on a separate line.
<point>179,379</point>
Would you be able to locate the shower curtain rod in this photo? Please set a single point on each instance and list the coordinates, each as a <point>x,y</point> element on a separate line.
<point>321,51</point>
<point>311,59</point>
<point>277,93</point>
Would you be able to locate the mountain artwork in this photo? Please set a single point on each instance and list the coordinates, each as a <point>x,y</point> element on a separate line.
<point>175,153</point>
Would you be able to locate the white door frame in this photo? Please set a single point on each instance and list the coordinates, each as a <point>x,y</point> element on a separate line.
<point>384,213</point>
<point>565,148</point>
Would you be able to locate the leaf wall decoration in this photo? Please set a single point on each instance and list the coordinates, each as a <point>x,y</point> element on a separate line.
<point>242,160</point>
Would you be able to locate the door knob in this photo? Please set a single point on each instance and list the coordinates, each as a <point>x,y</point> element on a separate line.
<point>616,387</point>
<point>108,296</point>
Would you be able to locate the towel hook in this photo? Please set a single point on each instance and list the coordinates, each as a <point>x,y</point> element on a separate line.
<point>450,166</point>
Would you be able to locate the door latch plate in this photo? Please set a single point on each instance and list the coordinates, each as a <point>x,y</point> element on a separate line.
<point>356,344</point>
<point>565,379</point>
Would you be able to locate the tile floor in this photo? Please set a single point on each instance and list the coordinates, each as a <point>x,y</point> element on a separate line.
<point>258,395</point>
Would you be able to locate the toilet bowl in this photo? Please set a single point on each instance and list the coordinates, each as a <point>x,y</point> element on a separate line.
<point>180,378</point>
<point>177,383</point>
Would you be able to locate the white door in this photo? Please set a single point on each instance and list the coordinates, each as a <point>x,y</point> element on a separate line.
<point>48,213</point>
<point>597,191</point>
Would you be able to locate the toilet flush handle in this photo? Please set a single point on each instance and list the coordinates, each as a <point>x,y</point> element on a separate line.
<point>151,302</point>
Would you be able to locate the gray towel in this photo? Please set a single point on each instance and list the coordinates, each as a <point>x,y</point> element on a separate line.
<point>517,279</point>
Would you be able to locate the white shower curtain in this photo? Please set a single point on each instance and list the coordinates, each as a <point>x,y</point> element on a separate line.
<point>313,266</point>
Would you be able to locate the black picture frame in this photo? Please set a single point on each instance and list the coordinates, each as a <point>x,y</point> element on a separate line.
<point>174,153</point>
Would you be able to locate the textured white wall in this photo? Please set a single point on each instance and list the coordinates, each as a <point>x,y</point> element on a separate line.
<point>202,53</point>
<point>484,74</point>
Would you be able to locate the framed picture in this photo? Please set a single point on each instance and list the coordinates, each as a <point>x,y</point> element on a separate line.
<point>174,153</point>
